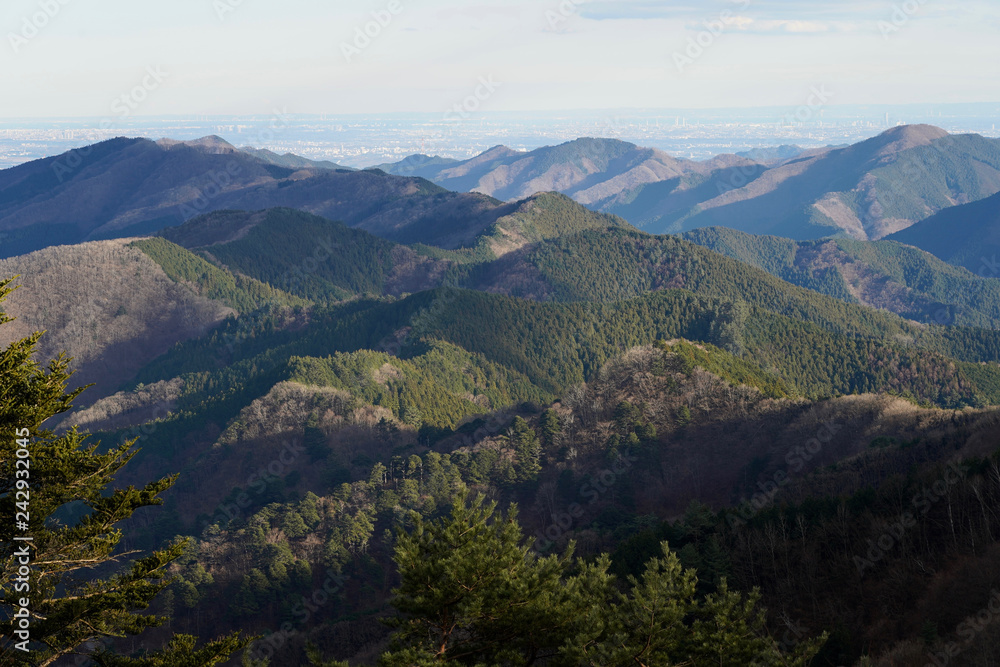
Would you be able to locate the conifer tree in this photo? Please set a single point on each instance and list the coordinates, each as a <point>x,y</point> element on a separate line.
<point>527,450</point>
<point>551,429</point>
<point>81,589</point>
<point>472,592</point>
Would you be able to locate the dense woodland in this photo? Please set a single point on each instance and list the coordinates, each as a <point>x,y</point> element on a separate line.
<point>665,455</point>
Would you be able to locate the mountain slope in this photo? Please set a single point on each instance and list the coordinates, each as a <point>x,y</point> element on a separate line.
<point>106,304</point>
<point>966,235</point>
<point>618,264</point>
<point>129,187</point>
<point>588,170</point>
<point>540,217</point>
<point>324,508</point>
<point>290,160</point>
<point>880,274</point>
<point>864,191</point>
<point>318,259</point>
<point>558,345</point>
<point>307,255</point>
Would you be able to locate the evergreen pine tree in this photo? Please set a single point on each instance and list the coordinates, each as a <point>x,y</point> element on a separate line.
<point>527,450</point>
<point>472,592</point>
<point>83,588</point>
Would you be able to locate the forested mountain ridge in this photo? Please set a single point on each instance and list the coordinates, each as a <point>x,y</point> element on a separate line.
<point>236,256</point>
<point>270,246</point>
<point>580,257</point>
<point>881,274</point>
<point>669,429</point>
<point>320,387</point>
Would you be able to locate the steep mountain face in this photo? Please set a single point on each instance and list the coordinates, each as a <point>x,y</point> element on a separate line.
<point>865,191</point>
<point>967,235</point>
<point>882,274</point>
<point>129,187</point>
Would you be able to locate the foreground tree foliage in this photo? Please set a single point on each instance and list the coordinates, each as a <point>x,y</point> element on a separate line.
<point>473,593</point>
<point>83,588</point>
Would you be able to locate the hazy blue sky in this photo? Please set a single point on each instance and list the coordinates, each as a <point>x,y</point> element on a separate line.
<point>594,54</point>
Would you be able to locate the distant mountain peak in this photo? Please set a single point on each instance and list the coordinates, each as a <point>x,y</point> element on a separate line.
<point>905,137</point>
<point>210,144</point>
<point>600,141</point>
<point>497,151</point>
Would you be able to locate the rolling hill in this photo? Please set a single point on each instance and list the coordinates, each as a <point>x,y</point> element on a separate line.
<point>676,422</point>
<point>302,253</point>
<point>562,255</point>
<point>321,260</point>
<point>770,408</point>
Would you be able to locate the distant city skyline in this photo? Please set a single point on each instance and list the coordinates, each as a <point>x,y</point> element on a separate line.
<point>64,58</point>
<point>367,140</point>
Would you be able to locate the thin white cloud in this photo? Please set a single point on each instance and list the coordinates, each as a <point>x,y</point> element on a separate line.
<point>794,26</point>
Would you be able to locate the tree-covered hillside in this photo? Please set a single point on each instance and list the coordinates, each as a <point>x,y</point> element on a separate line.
<point>615,466</point>
<point>881,274</point>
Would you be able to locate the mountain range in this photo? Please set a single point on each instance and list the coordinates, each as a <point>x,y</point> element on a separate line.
<point>127,187</point>
<point>865,191</point>
<point>124,187</point>
<point>325,354</point>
